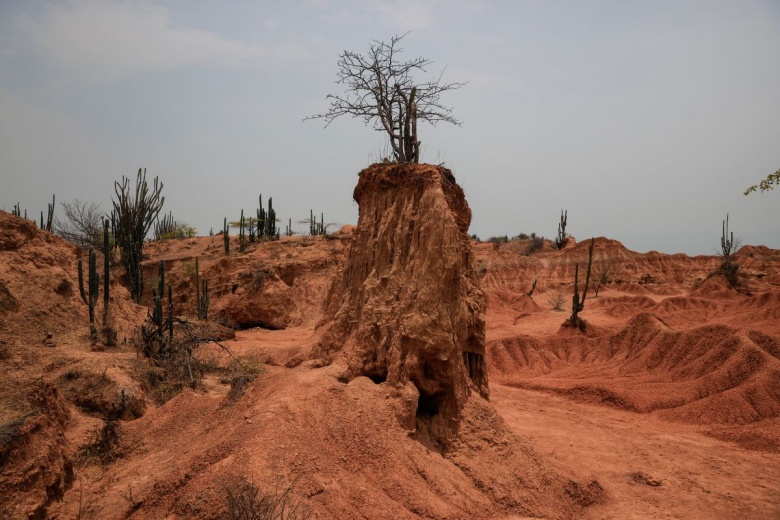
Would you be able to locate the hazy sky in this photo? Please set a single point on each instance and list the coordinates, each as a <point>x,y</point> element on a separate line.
<point>646,120</point>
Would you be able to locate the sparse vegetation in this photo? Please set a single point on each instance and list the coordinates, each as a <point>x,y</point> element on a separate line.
<point>604,270</point>
<point>169,227</point>
<point>103,447</point>
<point>245,501</point>
<point>82,223</point>
<point>498,240</point>
<point>556,298</point>
<point>536,244</point>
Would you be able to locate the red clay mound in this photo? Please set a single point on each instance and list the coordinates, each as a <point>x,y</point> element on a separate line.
<point>408,308</point>
<point>339,445</point>
<point>708,375</point>
<point>38,286</point>
<point>716,287</point>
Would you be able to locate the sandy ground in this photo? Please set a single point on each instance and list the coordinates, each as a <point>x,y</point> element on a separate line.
<point>649,468</point>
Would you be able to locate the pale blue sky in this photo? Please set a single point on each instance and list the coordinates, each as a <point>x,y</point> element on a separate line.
<point>645,120</point>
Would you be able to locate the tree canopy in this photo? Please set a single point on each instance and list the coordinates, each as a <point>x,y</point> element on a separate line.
<point>381,90</point>
<point>772,180</point>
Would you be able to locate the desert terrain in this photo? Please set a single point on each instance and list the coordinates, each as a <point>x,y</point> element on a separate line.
<point>395,369</point>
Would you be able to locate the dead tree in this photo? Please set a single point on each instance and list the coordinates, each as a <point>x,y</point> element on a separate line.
<point>380,90</point>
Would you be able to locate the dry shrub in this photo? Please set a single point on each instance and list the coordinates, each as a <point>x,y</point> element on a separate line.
<point>103,448</point>
<point>556,299</point>
<point>245,501</point>
<point>179,365</point>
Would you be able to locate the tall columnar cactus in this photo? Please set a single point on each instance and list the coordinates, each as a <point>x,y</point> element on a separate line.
<point>90,295</point>
<point>241,232</point>
<point>728,247</point>
<point>578,304</point>
<point>270,223</point>
<point>134,219</point>
<point>261,217</point>
<point>201,294</point>
<point>226,236</point>
<point>50,217</point>
<point>109,331</point>
<point>727,241</point>
<point>170,315</point>
<point>17,211</point>
<point>106,266</point>
<point>560,240</point>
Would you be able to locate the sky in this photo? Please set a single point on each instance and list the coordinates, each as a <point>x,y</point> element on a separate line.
<point>645,120</point>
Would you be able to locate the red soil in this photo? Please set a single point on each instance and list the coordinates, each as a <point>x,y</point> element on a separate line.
<point>668,406</point>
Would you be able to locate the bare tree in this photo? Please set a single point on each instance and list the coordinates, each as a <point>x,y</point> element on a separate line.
<point>82,224</point>
<point>604,270</point>
<point>380,90</point>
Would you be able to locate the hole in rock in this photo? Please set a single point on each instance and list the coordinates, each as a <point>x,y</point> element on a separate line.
<point>428,406</point>
<point>378,378</point>
<point>255,325</point>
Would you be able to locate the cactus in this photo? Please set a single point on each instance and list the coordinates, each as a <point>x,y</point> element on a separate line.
<point>533,288</point>
<point>560,240</point>
<point>109,331</point>
<point>729,246</point>
<point>226,236</point>
<point>134,218</point>
<point>578,304</point>
<point>50,217</point>
<point>170,315</point>
<point>17,211</point>
<point>90,295</point>
<point>201,298</point>
<point>106,258</point>
<point>241,232</point>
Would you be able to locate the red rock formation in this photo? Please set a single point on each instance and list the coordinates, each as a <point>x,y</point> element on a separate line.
<point>408,308</point>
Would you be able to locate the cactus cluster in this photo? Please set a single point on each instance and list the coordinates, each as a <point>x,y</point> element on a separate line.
<point>266,220</point>
<point>50,217</point>
<point>156,344</point>
<point>90,294</point>
<point>317,228</point>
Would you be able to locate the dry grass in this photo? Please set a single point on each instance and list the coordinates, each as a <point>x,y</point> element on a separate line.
<point>245,501</point>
